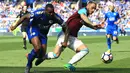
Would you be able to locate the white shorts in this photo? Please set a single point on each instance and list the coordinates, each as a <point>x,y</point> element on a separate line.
<point>73,42</point>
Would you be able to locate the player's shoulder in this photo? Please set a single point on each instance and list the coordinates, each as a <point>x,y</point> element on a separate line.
<point>39,11</point>
<point>57,15</point>
<point>82,11</point>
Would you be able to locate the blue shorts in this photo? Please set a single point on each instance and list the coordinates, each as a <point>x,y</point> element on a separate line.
<point>34,32</point>
<point>112,31</point>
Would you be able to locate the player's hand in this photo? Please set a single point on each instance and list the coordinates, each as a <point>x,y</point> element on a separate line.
<point>99,26</point>
<point>115,22</point>
<point>11,28</point>
<point>64,44</point>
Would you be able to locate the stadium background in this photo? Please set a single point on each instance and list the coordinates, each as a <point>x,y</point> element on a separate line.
<point>12,55</point>
<point>9,10</point>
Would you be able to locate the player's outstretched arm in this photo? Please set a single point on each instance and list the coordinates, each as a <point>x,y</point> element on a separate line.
<point>19,21</point>
<point>87,22</point>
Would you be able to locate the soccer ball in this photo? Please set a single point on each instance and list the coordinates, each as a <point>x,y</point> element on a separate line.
<point>107,57</point>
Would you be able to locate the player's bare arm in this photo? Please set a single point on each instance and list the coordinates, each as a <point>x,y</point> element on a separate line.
<point>67,31</point>
<point>19,21</point>
<point>64,28</point>
<point>87,22</point>
<point>117,22</point>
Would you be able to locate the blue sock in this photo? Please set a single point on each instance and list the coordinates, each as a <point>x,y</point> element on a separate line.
<point>109,43</point>
<point>31,56</point>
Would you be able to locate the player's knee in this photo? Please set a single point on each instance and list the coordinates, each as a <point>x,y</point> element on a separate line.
<point>37,46</point>
<point>52,55</point>
<point>114,38</point>
<point>108,36</point>
<point>85,51</point>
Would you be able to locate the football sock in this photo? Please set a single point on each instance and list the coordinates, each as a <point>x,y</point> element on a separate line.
<point>109,43</point>
<point>24,41</point>
<point>51,55</point>
<point>78,56</point>
<point>31,57</point>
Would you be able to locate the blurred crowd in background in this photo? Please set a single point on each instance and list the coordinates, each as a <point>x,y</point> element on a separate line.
<point>10,10</point>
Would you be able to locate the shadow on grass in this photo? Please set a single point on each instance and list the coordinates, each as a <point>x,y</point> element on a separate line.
<point>62,70</point>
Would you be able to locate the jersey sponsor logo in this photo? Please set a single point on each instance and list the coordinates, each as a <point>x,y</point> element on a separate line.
<point>114,13</point>
<point>50,21</point>
<point>111,19</point>
<point>39,12</point>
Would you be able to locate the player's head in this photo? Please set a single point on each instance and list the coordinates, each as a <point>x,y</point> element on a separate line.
<point>49,9</point>
<point>111,7</point>
<point>24,8</point>
<point>91,7</point>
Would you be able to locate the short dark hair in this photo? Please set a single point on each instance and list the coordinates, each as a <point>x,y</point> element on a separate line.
<point>91,2</point>
<point>49,6</point>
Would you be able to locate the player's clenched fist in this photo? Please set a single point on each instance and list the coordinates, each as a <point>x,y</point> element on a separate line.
<point>11,28</point>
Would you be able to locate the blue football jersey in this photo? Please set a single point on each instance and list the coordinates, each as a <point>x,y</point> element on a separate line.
<point>44,21</point>
<point>111,18</point>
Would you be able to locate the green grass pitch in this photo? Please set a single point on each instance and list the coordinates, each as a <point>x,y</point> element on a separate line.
<point>13,60</point>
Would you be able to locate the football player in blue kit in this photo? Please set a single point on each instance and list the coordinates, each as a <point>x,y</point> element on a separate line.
<point>40,22</point>
<point>113,19</point>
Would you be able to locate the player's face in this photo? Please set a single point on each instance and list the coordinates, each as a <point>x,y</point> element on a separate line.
<point>50,11</point>
<point>91,8</point>
<point>111,8</point>
<point>25,8</point>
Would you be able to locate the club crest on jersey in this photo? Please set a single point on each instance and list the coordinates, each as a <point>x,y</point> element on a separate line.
<point>50,21</point>
<point>114,13</point>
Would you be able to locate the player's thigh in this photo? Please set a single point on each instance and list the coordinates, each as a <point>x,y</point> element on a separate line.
<point>33,35</point>
<point>115,34</point>
<point>108,33</point>
<point>76,44</point>
<point>35,41</point>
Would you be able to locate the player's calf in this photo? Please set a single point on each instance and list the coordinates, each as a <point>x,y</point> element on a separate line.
<point>78,56</point>
<point>116,39</point>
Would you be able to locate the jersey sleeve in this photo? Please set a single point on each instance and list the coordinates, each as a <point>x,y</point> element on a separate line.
<point>106,16</point>
<point>58,19</point>
<point>83,11</point>
<point>118,16</point>
<point>32,15</point>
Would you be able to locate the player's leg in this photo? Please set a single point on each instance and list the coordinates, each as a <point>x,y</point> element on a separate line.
<point>56,52</point>
<point>58,48</point>
<point>115,36</point>
<point>34,53</point>
<point>35,41</point>
<point>81,50</point>
<point>108,38</point>
<point>24,40</point>
<point>42,52</point>
<point>23,29</point>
